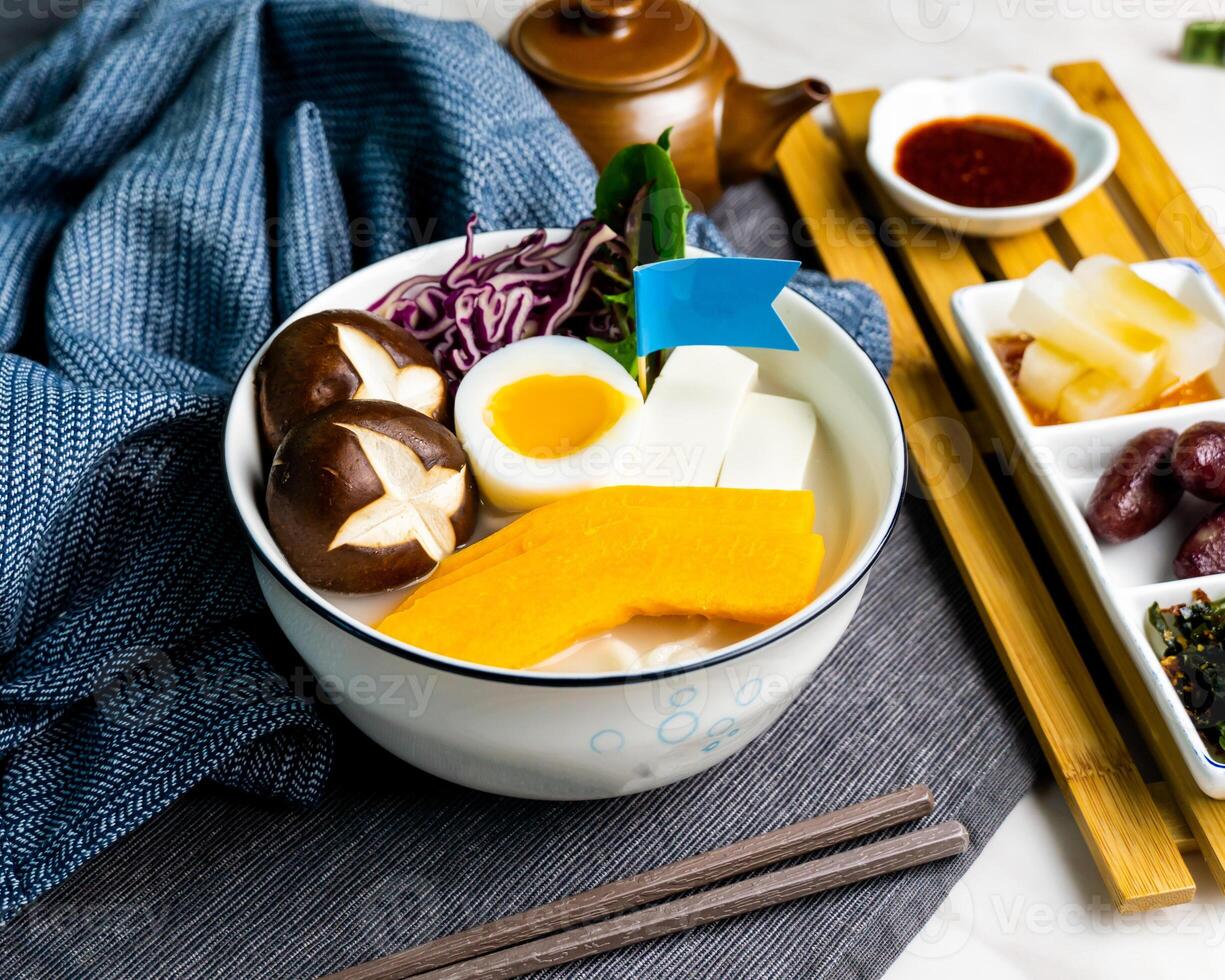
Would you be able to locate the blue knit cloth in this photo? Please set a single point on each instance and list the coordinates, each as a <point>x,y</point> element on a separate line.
<point>175,178</point>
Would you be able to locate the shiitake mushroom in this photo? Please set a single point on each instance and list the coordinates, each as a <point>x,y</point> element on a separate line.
<point>336,355</point>
<point>366,496</point>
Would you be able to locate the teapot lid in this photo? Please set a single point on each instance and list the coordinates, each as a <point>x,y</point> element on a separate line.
<point>609,45</point>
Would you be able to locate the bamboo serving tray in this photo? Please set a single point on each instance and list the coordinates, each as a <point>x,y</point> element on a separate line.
<point>1136,832</point>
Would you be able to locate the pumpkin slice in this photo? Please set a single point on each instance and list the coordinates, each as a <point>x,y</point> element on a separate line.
<point>612,501</point>
<point>769,510</point>
<point>525,608</point>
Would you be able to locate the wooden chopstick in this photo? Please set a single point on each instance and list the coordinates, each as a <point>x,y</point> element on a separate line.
<point>870,861</point>
<point>651,886</point>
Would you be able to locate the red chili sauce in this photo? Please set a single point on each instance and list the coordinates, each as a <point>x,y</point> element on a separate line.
<point>984,162</point>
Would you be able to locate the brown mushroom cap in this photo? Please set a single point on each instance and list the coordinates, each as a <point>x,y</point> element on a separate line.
<point>319,360</point>
<point>366,496</point>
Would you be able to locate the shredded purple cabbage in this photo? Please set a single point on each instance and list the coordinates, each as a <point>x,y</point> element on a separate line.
<point>534,288</point>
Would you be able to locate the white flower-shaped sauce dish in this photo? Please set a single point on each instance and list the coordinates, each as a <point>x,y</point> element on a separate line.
<point>568,736</point>
<point>1027,98</point>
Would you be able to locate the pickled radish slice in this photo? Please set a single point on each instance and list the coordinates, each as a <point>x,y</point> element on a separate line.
<point>1057,310</point>
<point>1195,342</point>
<point>1097,395</point>
<point>1045,373</point>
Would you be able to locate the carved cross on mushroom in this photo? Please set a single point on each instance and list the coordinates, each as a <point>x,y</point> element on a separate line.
<point>417,503</point>
<point>338,355</point>
<point>369,495</point>
<point>418,386</point>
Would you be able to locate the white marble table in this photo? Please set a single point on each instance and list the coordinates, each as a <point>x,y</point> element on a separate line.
<point>1032,904</point>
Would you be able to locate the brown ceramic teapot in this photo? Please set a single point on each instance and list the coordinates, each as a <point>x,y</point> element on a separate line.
<point>622,71</point>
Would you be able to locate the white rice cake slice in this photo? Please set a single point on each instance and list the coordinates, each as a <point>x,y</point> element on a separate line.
<point>772,444</point>
<point>689,416</point>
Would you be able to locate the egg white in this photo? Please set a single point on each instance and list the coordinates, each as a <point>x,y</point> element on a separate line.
<point>514,482</point>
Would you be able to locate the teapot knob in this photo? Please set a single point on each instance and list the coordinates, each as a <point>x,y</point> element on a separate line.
<point>608,17</point>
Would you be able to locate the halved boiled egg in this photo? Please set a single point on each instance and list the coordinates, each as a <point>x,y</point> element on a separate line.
<point>546,417</point>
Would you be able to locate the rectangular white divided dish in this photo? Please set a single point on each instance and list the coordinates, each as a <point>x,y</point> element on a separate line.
<point>1068,459</point>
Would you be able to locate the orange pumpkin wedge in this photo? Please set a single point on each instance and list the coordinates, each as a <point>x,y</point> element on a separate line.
<point>523,609</point>
<point>777,510</point>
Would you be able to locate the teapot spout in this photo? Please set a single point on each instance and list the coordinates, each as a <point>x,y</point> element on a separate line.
<point>755,120</point>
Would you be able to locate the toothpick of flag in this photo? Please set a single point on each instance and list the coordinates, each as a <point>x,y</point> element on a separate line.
<point>724,301</point>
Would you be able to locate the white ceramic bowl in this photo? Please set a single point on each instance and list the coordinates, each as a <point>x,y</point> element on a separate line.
<point>1029,98</point>
<point>584,736</point>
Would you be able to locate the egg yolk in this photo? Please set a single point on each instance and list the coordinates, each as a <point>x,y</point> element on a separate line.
<point>547,416</point>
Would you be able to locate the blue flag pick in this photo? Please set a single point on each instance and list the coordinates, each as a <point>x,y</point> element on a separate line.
<point>711,301</point>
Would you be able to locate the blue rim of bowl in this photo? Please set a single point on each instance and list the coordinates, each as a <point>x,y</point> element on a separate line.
<point>322,608</point>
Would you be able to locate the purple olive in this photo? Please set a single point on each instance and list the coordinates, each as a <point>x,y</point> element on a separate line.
<point>1137,491</point>
<point>1199,460</point>
<point>1203,553</point>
